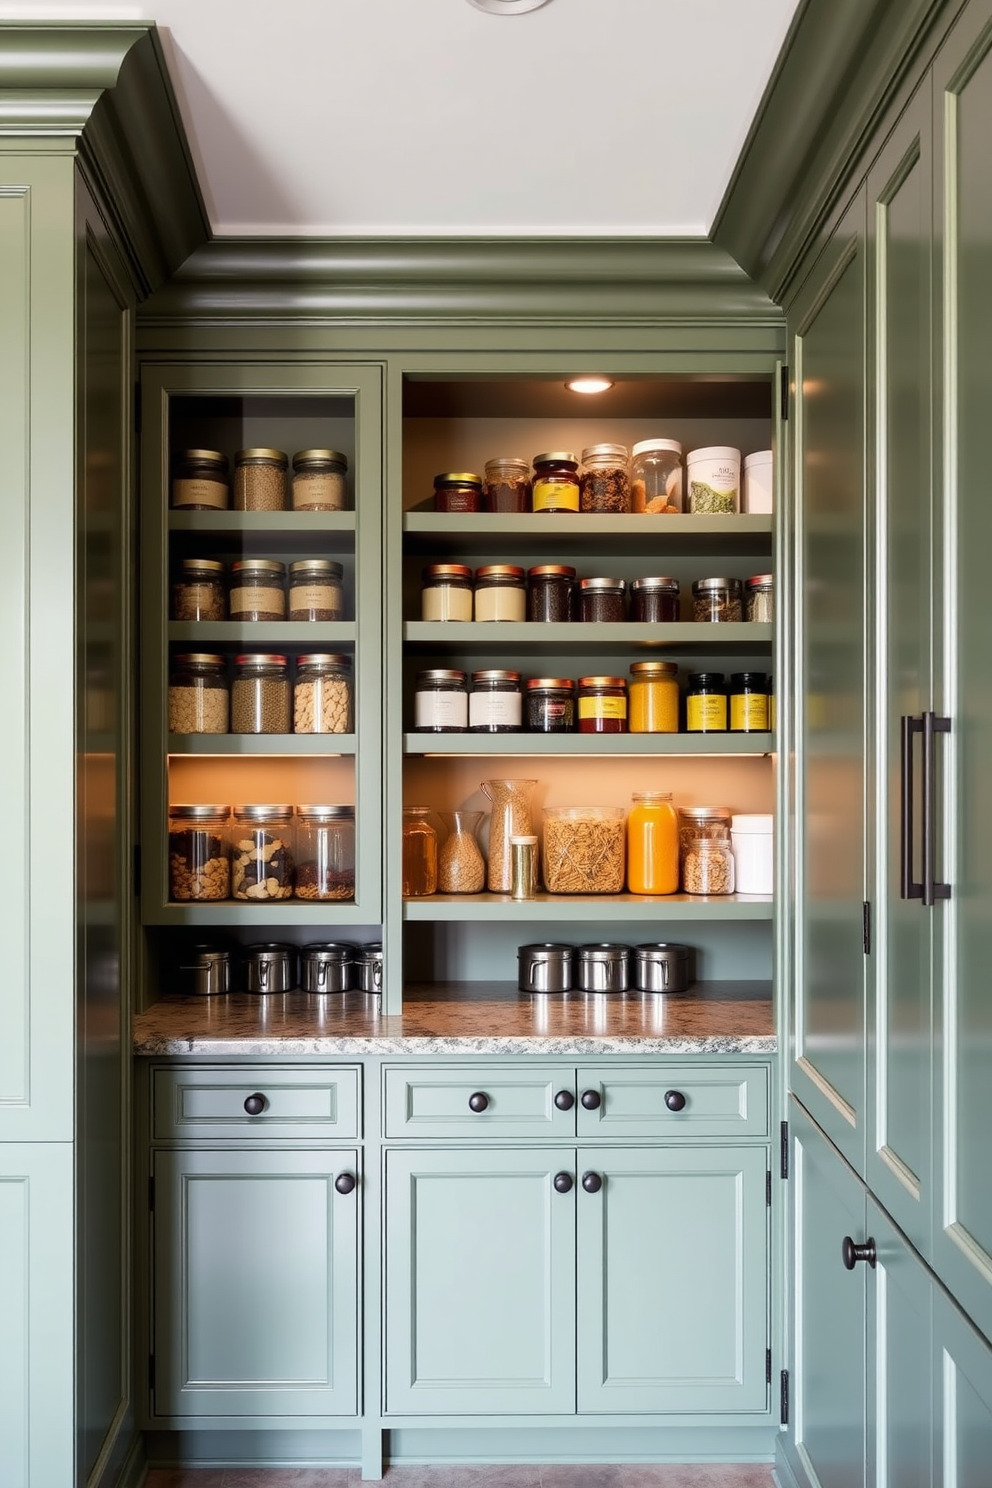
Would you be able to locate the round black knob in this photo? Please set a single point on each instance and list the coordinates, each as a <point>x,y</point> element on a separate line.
<point>255,1104</point>
<point>478,1102</point>
<point>563,1183</point>
<point>851,1254</point>
<point>591,1100</point>
<point>564,1100</point>
<point>591,1182</point>
<point>675,1100</point>
<point>345,1183</point>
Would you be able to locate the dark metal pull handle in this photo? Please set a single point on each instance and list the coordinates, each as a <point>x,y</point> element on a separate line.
<point>933,889</point>
<point>675,1100</point>
<point>851,1254</point>
<point>255,1104</point>
<point>478,1102</point>
<point>592,1182</point>
<point>346,1183</point>
<point>591,1100</point>
<point>564,1100</point>
<point>908,887</point>
<point>563,1183</point>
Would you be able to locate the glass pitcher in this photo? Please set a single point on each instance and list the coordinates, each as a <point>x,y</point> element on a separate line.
<point>461,868</point>
<point>510,818</point>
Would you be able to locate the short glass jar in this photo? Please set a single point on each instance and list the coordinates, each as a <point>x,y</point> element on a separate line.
<point>200,482</point>
<point>549,592</point>
<point>457,491</point>
<point>749,699</point>
<point>260,480</point>
<point>500,592</point>
<point>320,480</point>
<point>199,700</point>
<point>199,853</point>
<point>717,599</point>
<point>419,855</point>
<point>556,482</point>
<point>315,589</point>
<point>262,864</point>
<point>507,485</point>
<point>656,477</point>
<point>495,703</point>
<point>322,699</point>
<point>759,598</point>
<point>260,702</point>
<point>447,592</point>
<point>550,705</point>
<point>706,703</point>
<point>654,601</point>
<point>653,701</point>
<point>604,486</point>
<point>706,859</point>
<point>440,702</point>
<point>258,589</point>
<point>325,852</point>
<point>601,601</point>
<point>198,590</point>
<point>602,705</point>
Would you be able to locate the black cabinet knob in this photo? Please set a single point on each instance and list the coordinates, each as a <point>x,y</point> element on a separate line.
<point>591,1100</point>
<point>255,1104</point>
<point>563,1183</point>
<point>346,1183</point>
<point>675,1100</point>
<point>564,1100</point>
<point>851,1254</point>
<point>591,1182</point>
<point>479,1101</point>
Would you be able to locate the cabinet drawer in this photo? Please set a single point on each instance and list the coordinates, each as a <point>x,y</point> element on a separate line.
<point>297,1103</point>
<point>515,1102</point>
<point>637,1102</point>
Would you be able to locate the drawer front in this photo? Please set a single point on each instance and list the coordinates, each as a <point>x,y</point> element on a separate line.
<point>297,1104</point>
<point>515,1101</point>
<point>679,1101</point>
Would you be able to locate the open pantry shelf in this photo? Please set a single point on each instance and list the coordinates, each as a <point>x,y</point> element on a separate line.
<point>310,634</point>
<point>496,532</point>
<point>593,746</point>
<point>544,907</point>
<point>279,523</point>
<point>734,638</point>
<point>264,746</point>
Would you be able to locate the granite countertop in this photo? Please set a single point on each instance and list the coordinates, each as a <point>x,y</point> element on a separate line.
<point>460,1018</point>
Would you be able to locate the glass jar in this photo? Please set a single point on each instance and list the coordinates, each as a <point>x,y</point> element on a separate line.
<point>654,601</point>
<point>440,702</point>
<point>200,481</point>
<point>749,696</point>
<point>258,589</point>
<point>262,853</point>
<point>716,599</point>
<point>507,485</point>
<point>500,592</point>
<point>260,701</point>
<point>461,868</point>
<point>322,695</point>
<point>601,601</point>
<point>199,853</point>
<point>549,592</point>
<point>656,477</point>
<point>457,491</point>
<point>654,697</point>
<point>602,705</point>
<point>199,701</point>
<point>706,703</point>
<point>320,480</point>
<point>315,589</point>
<point>759,598</point>
<point>556,482</point>
<point>447,592</point>
<point>550,705</point>
<point>198,590</point>
<point>325,852</point>
<point>705,850</point>
<point>509,818</point>
<point>495,703</point>
<point>419,855</point>
<point>604,486</point>
<point>652,844</point>
<point>260,480</point>
<point>584,849</point>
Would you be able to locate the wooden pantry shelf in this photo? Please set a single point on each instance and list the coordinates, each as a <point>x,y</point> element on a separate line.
<point>546,907</point>
<point>602,746</point>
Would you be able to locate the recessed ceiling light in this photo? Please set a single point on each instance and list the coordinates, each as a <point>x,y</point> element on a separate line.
<point>589,385</point>
<point>506,7</point>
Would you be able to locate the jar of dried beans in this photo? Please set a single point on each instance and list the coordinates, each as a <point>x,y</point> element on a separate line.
<point>507,485</point>
<point>258,589</point>
<point>199,701</point>
<point>322,695</point>
<point>198,590</point>
<point>199,853</point>
<point>705,850</point>
<point>262,853</point>
<point>325,852</point>
<point>603,485</point>
<point>759,598</point>
<point>320,480</point>
<point>601,600</point>
<point>200,481</point>
<point>315,590</point>
<point>260,480</point>
<point>260,702</point>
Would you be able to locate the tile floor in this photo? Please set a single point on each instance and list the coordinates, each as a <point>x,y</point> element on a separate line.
<point>630,1476</point>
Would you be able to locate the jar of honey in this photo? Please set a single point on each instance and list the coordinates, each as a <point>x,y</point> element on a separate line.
<point>653,697</point>
<point>652,844</point>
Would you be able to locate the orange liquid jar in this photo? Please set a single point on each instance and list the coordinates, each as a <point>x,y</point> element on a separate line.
<point>652,844</point>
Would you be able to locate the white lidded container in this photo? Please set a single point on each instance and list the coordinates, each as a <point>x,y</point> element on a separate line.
<point>751,839</point>
<point>756,495</point>
<point>714,480</point>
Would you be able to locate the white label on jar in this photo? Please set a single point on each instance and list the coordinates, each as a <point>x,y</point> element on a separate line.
<point>314,597</point>
<point>494,710</point>
<point>199,493</point>
<point>441,710</point>
<point>446,602</point>
<point>251,598</point>
<point>500,602</point>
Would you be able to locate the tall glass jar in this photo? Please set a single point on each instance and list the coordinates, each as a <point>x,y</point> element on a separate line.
<point>198,591</point>
<point>325,852</point>
<point>322,695</point>
<point>759,598</point>
<point>262,863</point>
<point>652,844</point>
<point>602,705</point>
<point>198,695</point>
<point>440,702</point>
<point>260,480</point>
<point>604,486</point>
<point>705,849</point>
<point>556,482</point>
<point>510,817</point>
<point>200,481</point>
<point>258,589</point>
<point>656,477</point>
<point>500,592</point>
<point>507,485</point>
<point>260,702</point>
<point>419,855</point>
<point>315,590</point>
<point>549,592</point>
<point>653,697</point>
<point>320,480</point>
<point>199,853</point>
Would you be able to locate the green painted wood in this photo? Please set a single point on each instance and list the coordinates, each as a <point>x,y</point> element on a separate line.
<point>685,533</point>
<point>572,907</point>
<point>569,745</point>
<point>260,635</point>
<point>276,745</point>
<point>270,526</point>
<point>962,1397</point>
<point>434,1102</point>
<point>729,638</point>
<point>208,1104</point>
<point>729,1101</point>
<point>900,1413</point>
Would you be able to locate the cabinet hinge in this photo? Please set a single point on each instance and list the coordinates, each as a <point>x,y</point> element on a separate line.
<point>783,1148</point>
<point>136,869</point>
<point>137,408</point>
<point>151,1194</point>
<point>151,1371</point>
<point>866,926</point>
<point>768,1188</point>
<point>768,1366</point>
<point>783,1391</point>
<point>784,394</point>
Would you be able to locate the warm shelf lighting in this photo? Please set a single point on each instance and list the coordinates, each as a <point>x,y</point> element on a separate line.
<point>589,384</point>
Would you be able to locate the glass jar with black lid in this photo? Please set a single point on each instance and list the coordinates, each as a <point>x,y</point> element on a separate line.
<point>440,702</point>
<point>495,702</point>
<point>549,592</point>
<point>556,482</point>
<point>706,703</point>
<point>550,705</point>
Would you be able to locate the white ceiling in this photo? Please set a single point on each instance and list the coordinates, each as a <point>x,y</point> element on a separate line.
<point>338,117</point>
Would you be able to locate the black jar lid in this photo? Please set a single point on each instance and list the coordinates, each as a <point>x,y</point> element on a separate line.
<point>750,681</point>
<point>707,679</point>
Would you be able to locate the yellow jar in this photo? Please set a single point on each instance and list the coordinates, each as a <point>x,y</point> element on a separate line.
<point>654,697</point>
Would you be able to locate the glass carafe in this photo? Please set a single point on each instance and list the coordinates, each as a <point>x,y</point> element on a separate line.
<point>510,818</point>
<point>461,868</point>
<point>419,853</point>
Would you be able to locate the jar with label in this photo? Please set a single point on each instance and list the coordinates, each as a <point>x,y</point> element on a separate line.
<point>656,477</point>
<point>260,480</point>
<point>507,485</point>
<point>549,592</point>
<point>604,486</point>
<point>602,705</point>
<point>653,697</point>
<point>322,695</point>
<point>654,601</point>
<point>550,705</point>
<point>262,864</point>
<point>199,853</point>
<point>199,701</point>
<point>320,480</point>
<point>419,854</point>
<point>457,491</point>
<point>325,852</point>
<point>652,844</point>
<point>714,480</point>
<point>706,703</point>
<point>495,703</point>
<point>759,598</point>
<point>447,592</point>
<point>200,482</point>
<point>717,599</point>
<point>705,851</point>
<point>556,482</point>
<point>198,591</point>
<point>260,702</point>
<point>258,589</point>
<point>601,601</point>
<point>749,703</point>
<point>440,702</point>
<point>315,589</point>
<point>500,592</point>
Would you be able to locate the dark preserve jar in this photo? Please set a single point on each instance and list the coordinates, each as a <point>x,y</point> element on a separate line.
<point>706,703</point>
<point>749,693</point>
<point>457,491</point>
<point>602,705</point>
<point>550,705</point>
<point>549,592</point>
<point>654,601</point>
<point>601,600</point>
<point>556,482</point>
<point>507,485</point>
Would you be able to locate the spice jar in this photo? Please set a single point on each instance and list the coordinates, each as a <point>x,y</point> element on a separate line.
<point>707,859</point>
<point>322,695</point>
<point>262,852</point>
<point>759,598</point>
<point>258,589</point>
<point>199,701</point>
<point>654,697</point>
<point>419,855</point>
<point>749,703</point>
<point>507,485</point>
<point>457,491</point>
<point>325,852</point>
<point>656,476</point>
<point>549,592</point>
<point>199,855</point>
<point>601,600</point>
<point>495,703</point>
<point>315,590</point>
<point>198,590</point>
<point>260,695</point>
<point>200,481</point>
<point>440,702</point>
<point>652,844</point>
<point>716,599</point>
<point>706,703</point>
<point>320,480</point>
<point>500,592</point>
<point>550,705</point>
<point>604,485</point>
<point>654,601</point>
<point>556,483</point>
<point>447,592</point>
<point>602,705</point>
<point>260,480</point>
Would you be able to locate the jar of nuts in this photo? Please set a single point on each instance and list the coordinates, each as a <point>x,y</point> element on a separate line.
<point>322,695</point>
<point>198,695</point>
<point>325,852</point>
<point>260,695</point>
<point>199,855</point>
<point>198,590</point>
<point>260,480</point>
<point>706,857</point>
<point>262,852</point>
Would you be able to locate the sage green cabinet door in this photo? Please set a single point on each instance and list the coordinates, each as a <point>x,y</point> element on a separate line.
<point>962,1376</point>
<point>256,1285</point>
<point>673,1280</point>
<point>480,1283</point>
<point>900,1292</point>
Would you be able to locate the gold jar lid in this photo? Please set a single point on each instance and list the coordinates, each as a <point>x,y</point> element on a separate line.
<point>557,457</point>
<point>499,571</point>
<point>458,478</point>
<point>262,457</point>
<point>205,457</point>
<point>441,571</point>
<point>647,669</point>
<point>197,658</point>
<point>323,659</point>
<point>267,566</point>
<point>201,566</point>
<point>602,682</point>
<point>320,457</point>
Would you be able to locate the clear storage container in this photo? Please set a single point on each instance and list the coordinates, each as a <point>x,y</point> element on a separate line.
<point>653,697</point>
<point>656,476</point>
<point>604,485</point>
<point>549,593</point>
<point>500,592</point>
<point>419,856</point>
<point>601,601</point>
<point>260,480</point>
<point>654,601</point>
<point>325,852</point>
<point>507,485</point>
<point>705,851</point>
<point>717,599</point>
<point>199,701</point>
<point>495,703</point>
<point>199,853</point>
<point>198,591</point>
<point>200,481</point>
<point>258,589</point>
<point>440,702</point>
<point>260,702</point>
<point>584,850</point>
<point>315,589</point>
<point>262,863</point>
<point>446,592</point>
<point>320,480</point>
<point>322,699</point>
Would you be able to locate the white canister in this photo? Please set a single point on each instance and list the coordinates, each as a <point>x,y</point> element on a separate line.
<point>751,838</point>
<point>756,495</point>
<point>714,479</point>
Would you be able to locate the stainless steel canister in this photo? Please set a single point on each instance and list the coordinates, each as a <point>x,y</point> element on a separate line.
<point>602,967</point>
<point>207,972</point>
<point>544,967</point>
<point>368,967</point>
<point>326,967</point>
<point>271,967</point>
<point>661,966</point>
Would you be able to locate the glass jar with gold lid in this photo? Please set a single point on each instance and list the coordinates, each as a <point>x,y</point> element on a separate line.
<point>320,480</point>
<point>260,480</point>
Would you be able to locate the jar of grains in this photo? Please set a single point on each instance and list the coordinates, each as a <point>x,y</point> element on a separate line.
<point>447,592</point>
<point>654,697</point>
<point>549,592</point>
<point>440,702</point>
<point>654,601</point>
<point>602,705</point>
<point>322,695</point>
<point>258,589</point>
<point>507,485</point>
<point>584,849</point>
<point>603,484</point>
<point>716,599</point>
<point>500,592</point>
<point>551,705</point>
<point>200,481</point>
<point>759,598</point>
<point>198,590</point>
<point>601,600</point>
<point>325,852</point>
<point>556,482</point>
<point>458,491</point>
<point>199,700</point>
<point>260,480</point>
<point>656,477</point>
<point>419,855</point>
<point>748,702</point>
<point>705,851</point>
<point>260,695</point>
<point>315,590</point>
<point>199,854</point>
<point>706,703</point>
<point>495,703</point>
<point>320,480</point>
<point>262,852</point>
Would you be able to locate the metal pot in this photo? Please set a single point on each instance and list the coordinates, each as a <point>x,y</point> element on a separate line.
<point>661,966</point>
<point>602,967</point>
<point>326,967</point>
<point>270,967</point>
<point>368,967</point>
<point>544,967</point>
<point>208,972</point>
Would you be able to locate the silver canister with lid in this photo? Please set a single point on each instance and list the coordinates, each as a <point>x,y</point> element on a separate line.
<point>326,966</point>
<point>271,967</point>
<point>544,967</point>
<point>207,972</point>
<point>602,967</point>
<point>368,967</point>
<point>661,966</point>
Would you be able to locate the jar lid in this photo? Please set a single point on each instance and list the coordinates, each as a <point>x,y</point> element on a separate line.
<point>260,658</point>
<point>370,952</point>
<point>663,584</point>
<point>274,455</point>
<point>495,675</point>
<point>661,949</point>
<point>752,822</point>
<point>441,674</point>
<point>268,948</point>
<point>418,810</point>
<point>759,581</point>
<point>201,565</point>
<point>650,795</point>
<point>320,457</point>
<point>649,446</point>
<point>602,451</point>
<point>707,679</point>
<point>547,683</point>
<point>326,813</point>
<point>499,571</point>
<point>602,584</point>
<point>713,452</point>
<point>323,658</point>
<point>499,460</point>
<point>760,457</point>
<point>258,565</point>
<point>326,566</point>
<point>757,681</point>
<point>328,950</point>
<point>263,813</point>
<point>446,571</point>
<point>551,571</point>
<point>458,478</point>
<point>524,841</point>
<point>602,682</point>
<point>557,457</point>
<point>207,457</point>
<point>705,586</point>
<point>545,950</point>
<point>706,813</point>
<point>654,669</point>
<point>198,658</point>
<point>604,950</point>
<point>198,813</point>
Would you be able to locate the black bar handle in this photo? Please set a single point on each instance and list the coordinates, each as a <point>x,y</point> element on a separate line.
<point>908,887</point>
<point>933,889</point>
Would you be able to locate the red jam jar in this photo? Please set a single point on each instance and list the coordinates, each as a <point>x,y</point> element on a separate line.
<point>457,491</point>
<point>602,705</point>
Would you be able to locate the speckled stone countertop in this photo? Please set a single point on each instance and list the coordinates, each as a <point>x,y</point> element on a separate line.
<point>448,1018</point>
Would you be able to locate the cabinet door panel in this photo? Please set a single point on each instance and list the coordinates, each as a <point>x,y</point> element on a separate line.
<point>963,1400</point>
<point>726,1102</point>
<point>899,1321</point>
<point>519,1102</point>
